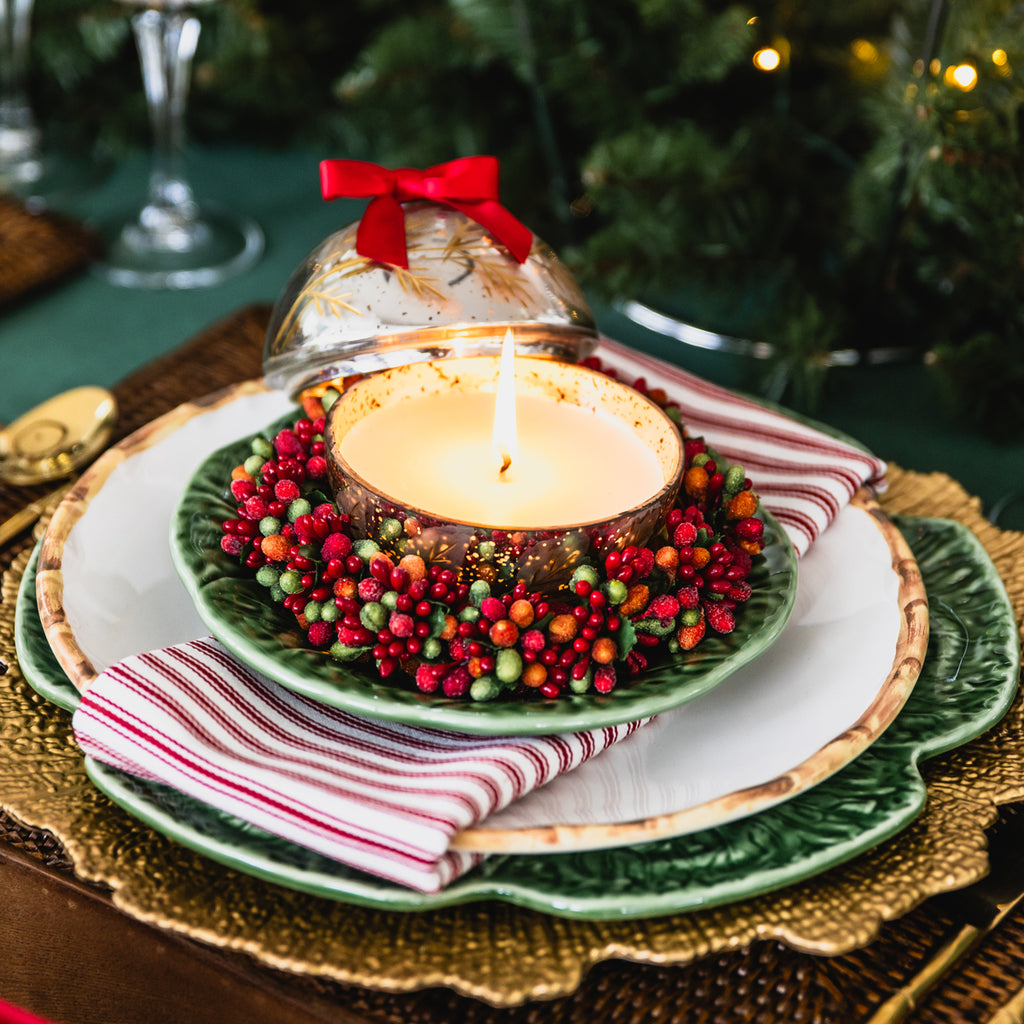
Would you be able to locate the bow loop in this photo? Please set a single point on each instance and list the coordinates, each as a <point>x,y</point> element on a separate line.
<point>469,185</point>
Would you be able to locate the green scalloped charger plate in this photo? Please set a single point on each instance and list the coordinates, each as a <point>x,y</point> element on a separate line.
<point>239,613</point>
<point>968,681</point>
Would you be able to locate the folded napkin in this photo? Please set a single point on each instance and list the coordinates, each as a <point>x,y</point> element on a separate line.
<point>387,798</point>
<point>382,797</point>
<point>803,477</point>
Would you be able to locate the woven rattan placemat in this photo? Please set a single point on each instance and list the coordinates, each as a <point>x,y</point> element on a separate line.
<point>38,249</point>
<point>767,982</point>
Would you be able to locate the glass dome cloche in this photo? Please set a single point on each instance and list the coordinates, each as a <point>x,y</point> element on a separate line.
<point>343,314</point>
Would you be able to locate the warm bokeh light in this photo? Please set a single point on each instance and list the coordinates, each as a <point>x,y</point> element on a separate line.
<point>767,59</point>
<point>864,50</point>
<point>963,76</point>
<point>999,58</point>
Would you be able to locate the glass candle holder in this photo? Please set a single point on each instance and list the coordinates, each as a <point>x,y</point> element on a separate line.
<point>342,314</point>
<point>411,459</point>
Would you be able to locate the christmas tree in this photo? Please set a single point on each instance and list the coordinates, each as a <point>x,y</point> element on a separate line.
<point>817,177</point>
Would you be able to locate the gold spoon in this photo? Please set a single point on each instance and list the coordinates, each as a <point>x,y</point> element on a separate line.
<point>58,437</point>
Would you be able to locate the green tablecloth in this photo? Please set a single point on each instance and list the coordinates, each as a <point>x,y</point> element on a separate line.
<point>88,331</point>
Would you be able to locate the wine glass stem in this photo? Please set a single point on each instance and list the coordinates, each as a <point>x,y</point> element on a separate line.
<point>19,136</point>
<point>166,42</point>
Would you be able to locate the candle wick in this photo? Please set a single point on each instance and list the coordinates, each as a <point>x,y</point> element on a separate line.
<point>506,461</point>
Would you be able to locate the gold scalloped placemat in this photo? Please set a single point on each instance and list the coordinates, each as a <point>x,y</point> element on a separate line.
<point>494,951</point>
<point>38,249</point>
<point>742,959</point>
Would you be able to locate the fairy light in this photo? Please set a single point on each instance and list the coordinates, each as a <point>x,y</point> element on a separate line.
<point>963,76</point>
<point>767,59</point>
<point>999,58</point>
<point>865,51</point>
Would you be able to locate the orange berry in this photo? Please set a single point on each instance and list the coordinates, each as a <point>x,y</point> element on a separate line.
<point>504,633</point>
<point>275,547</point>
<point>667,559</point>
<point>604,650</point>
<point>414,566</point>
<point>239,473</point>
<point>521,613</point>
<point>742,505</point>
<point>696,482</point>
<point>451,627</point>
<point>636,600</point>
<point>563,628</point>
<point>346,586</point>
<point>690,636</point>
<point>701,557</point>
<point>534,675</point>
<point>474,668</point>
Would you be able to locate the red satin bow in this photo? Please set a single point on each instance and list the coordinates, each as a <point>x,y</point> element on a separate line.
<point>469,185</point>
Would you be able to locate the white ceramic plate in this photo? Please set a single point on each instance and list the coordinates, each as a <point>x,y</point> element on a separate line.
<point>835,679</point>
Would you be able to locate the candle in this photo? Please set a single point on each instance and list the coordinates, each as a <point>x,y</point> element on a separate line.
<point>564,463</point>
<point>528,481</point>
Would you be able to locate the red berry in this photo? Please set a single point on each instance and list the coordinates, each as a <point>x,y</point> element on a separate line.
<point>242,489</point>
<point>604,679</point>
<point>286,490</point>
<point>493,609</point>
<point>231,544</point>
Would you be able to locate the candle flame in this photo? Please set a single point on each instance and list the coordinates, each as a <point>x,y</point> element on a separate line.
<point>504,442</point>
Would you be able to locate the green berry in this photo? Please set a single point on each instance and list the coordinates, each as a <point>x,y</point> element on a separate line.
<point>469,614</point>
<point>390,599</point>
<point>479,590</point>
<point>312,611</point>
<point>329,612</point>
<point>262,447</point>
<point>277,594</point>
<point>298,507</point>
<point>431,648</point>
<point>735,477</point>
<point>290,581</point>
<point>487,549</point>
<point>508,665</point>
<point>616,591</point>
<point>690,617</point>
<point>267,575</point>
<point>586,574</point>
<point>253,464</point>
<point>343,653</point>
<point>390,529</point>
<point>373,615</point>
<point>700,458</point>
<point>365,549</point>
<point>485,688</point>
<point>581,685</point>
<point>269,525</point>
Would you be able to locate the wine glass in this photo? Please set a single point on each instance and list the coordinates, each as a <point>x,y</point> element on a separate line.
<point>21,159</point>
<point>38,170</point>
<point>173,241</point>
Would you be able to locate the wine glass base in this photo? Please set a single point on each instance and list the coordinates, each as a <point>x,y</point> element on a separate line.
<point>155,248</point>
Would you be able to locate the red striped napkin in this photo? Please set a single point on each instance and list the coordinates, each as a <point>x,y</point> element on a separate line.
<point>387,798</point>
<point>804,477</point>
<point>381,797</point>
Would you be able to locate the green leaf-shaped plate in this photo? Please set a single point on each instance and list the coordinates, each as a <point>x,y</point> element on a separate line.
<point>238,611</point>
<point>968,680</point>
